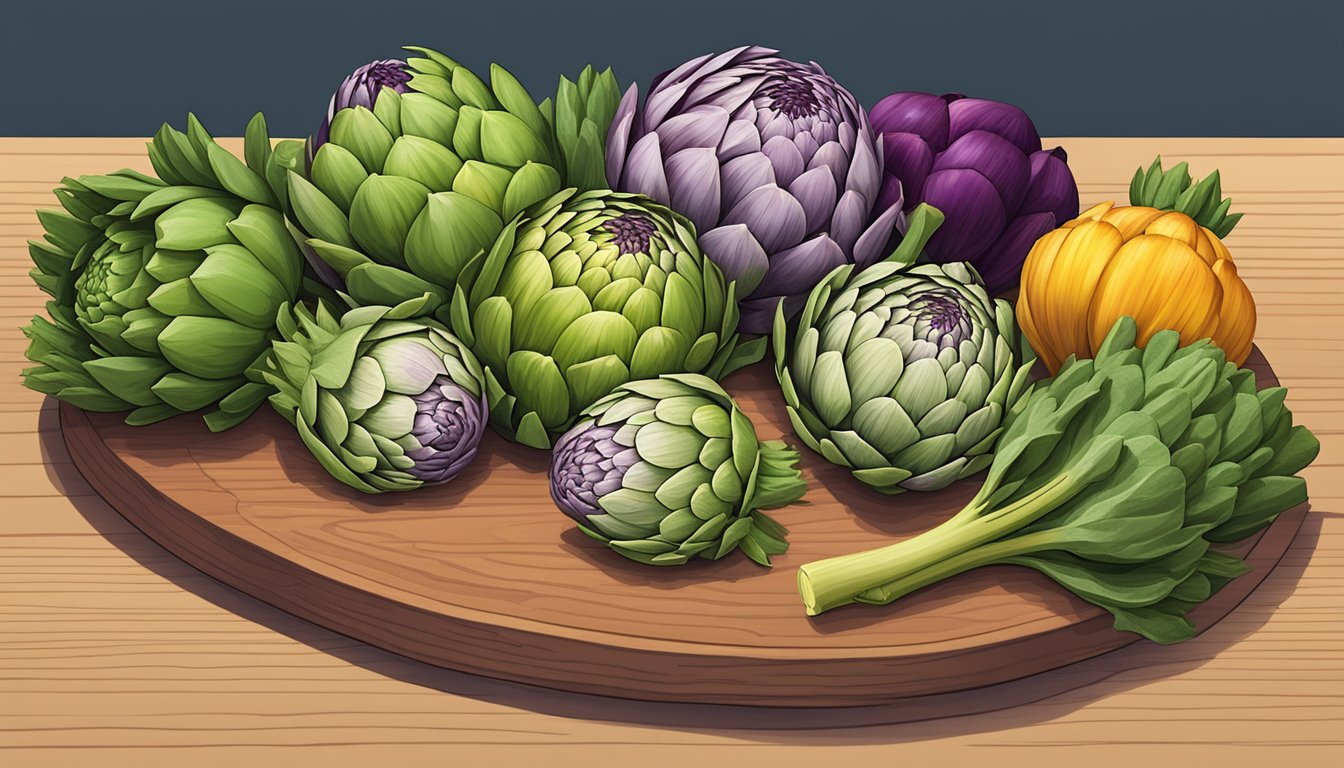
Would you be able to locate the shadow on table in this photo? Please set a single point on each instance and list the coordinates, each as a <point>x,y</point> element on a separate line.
<point>1035,699</point>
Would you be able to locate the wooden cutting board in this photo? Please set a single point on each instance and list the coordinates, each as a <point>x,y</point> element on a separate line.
<point>485,575</point>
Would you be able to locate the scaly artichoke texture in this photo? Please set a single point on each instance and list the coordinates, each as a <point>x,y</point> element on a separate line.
<point>980,162</point>
<point>384,401</point>
<point>164,290</point>
<point>1159,267</point>
<point>774,162</point>
<point>586,292</point>
<point>664,470</point>
<point>902,373</point>
<point>412,180</point>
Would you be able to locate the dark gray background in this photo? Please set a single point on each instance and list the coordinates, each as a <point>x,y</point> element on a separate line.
<point>1079,67</point>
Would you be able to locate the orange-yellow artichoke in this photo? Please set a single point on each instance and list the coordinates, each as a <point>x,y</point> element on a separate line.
<point>1159,267</point>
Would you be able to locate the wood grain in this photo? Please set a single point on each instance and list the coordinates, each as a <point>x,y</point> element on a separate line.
<point>483,575</point>
<point>112,652</point>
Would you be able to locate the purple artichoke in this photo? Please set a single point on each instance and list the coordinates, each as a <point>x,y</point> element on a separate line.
<point>362,87</point>
<point>774,162</point>
<point>980,162</point>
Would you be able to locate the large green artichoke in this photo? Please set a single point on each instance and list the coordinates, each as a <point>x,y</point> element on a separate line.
<point>403,193</point>
<point>385,401</point>
<point>668,469</point>
<point>586,292</point>
<point>902,373</point>
<point>165,290</point>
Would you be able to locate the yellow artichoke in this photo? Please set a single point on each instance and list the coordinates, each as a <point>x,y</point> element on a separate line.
<point>1159,267</point>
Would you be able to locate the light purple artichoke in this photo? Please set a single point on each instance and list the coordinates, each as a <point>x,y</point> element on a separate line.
<point>586,465</point>
<point>447,428</point>
<point>362,87</point>
<point>774,162</point>
<point>980,162</point>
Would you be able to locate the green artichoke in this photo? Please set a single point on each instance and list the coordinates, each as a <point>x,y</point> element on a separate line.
<point>902,373</point>
<point>404,193</point>
<point>384,401</point>
<point>165,290</point>
<point>664,470</point>
<point>586,292</point>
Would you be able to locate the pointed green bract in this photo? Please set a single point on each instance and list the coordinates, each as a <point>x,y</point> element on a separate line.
<point>580,294</point>
<point>165,290</point>
<point>1120,478</point>
<point>1172,189</point>
<point>669,469</point>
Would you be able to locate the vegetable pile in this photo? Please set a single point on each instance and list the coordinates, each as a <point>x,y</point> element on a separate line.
<point>445,254</point>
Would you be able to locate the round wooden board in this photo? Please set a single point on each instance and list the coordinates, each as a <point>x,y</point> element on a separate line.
<point>485,575</point>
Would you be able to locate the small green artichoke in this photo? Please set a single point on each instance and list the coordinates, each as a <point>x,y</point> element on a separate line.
<point>667,469</point>
<point>409,183</point>
<point>903,372</point>
<point>385,401</point>
<point>586,292</point>
<point>165,290</point>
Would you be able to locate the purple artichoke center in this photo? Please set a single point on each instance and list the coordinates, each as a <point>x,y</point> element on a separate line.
<point>794,96</point>
<point>586,465</point>
<point>448,424</point>
<point>943,313</point>
<point>631,232</point>
<point>390,73</point>
<point>942,319</point>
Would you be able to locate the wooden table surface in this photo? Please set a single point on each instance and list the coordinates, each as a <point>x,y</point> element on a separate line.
<point>112,652</point>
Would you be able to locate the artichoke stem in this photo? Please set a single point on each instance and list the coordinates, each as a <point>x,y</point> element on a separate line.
<point>879,576</point>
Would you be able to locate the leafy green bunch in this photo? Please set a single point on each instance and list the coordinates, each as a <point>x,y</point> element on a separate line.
<point>1120,479</point>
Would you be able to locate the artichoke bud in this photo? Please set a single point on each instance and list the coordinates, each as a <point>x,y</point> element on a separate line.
<point>668,469</point>
<point>166,290</point>
<point>384,399</point>
<point>582,293</point>
<point>902,373</point>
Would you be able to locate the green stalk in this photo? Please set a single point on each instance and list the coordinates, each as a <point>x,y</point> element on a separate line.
<point>993,552</point>
<point>967,541</point>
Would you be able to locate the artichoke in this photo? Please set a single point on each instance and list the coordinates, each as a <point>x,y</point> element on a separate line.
<point>385,402</point>
<point>667,469</point>
<point>773,161</point>
<point>980,162</point>
<point>902,373</point>
<point>586,292</point>
<point>413,181</point>
<point>165,290</point>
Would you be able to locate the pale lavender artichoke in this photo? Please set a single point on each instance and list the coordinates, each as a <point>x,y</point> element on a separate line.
<point>980,162</point>
<point>774,162</point>
<point>362,87</point>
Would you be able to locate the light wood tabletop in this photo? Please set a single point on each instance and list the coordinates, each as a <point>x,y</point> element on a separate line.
<point>113,652</point>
